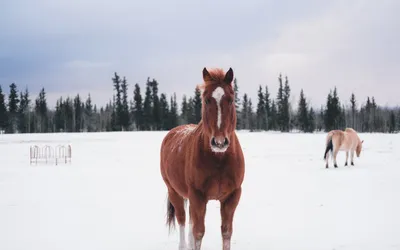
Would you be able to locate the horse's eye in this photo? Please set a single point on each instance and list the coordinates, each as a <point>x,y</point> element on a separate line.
<point>230,101</point>
<point>207,101</point>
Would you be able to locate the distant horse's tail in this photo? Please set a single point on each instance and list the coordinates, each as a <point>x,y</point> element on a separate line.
<point>170,215</point>
<point>329,146</point>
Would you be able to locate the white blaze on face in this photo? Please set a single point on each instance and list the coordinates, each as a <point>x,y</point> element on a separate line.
<point>217,95</point>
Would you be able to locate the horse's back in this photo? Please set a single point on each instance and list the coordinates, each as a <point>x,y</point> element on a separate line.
<point>350,130</point>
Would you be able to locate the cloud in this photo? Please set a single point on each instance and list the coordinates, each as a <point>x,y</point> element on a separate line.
<point>76,46</point>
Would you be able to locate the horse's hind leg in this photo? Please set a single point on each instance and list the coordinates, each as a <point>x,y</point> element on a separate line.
<point>347,157</point>
<point>352,158</point>
<point>327,160</point>
<point>335,153</point>
<point>179,205</point>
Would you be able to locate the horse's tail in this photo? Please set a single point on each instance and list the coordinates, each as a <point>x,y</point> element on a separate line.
<point>170,215</point>
<point>329,146</point>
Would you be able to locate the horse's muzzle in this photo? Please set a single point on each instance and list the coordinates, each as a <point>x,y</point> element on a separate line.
<point>219,143</point>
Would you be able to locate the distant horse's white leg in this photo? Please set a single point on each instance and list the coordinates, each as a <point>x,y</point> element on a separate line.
<point>347,157</point>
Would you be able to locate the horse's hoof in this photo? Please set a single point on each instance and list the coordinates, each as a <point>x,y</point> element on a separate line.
<point>352,163</point>
<point>335,166</point>
<point>345,164</point>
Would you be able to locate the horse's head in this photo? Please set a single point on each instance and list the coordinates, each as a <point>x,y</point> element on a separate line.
<point>218,108</point>
<point>359,147</point>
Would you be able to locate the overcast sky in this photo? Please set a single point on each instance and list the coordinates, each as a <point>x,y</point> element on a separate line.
<point>75,46</point>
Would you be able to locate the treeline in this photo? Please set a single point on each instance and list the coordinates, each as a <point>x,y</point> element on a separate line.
<point>148,110</point>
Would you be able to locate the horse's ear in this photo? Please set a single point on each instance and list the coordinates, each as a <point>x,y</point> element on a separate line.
<point>206,75</point>
<point>229,76</point>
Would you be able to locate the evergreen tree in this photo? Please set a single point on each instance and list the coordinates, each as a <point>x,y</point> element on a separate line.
<point>23,112</point>
<point>185,110</point>
<point>118,112</point>
<point>286,106</point>
<point>3,112</point>
<point>156,105</point>
<point>90,114</point>
<point>245,115</point>
<point>138,108</point>
<point>261,117</point>
<point>302,113</point>
<point>398,120</point>
<point>353,110</point>
<point>58,116</point>
<point>237,104</point>
<point>69,115</point>
<point>373,119</point>
<point>252,120</point>
<point>78,114</point>
<point>197,106</point>
<point>173,112</point>
<point>311,121</point>
<point>147,108</point>
<point>41,111</point>
<point>164,108</point>
<point>267,102</point>
<point>125,120</point>
<point>392,122</point>
<point>333,112</point>
<point>280,105</point>
<point>191,117</point>
<point>13,102</point>
<point>273,118</point>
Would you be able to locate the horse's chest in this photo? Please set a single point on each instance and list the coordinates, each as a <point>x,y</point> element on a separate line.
<point>218,186</point>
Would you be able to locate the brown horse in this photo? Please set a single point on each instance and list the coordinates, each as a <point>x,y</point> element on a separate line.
<point>338,140</point>
<point>205,162</point>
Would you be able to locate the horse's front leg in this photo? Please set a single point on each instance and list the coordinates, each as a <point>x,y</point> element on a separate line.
<point>347,157</point>
<point>352,158</point>
<point>228,208</point>
<point>197,211</point>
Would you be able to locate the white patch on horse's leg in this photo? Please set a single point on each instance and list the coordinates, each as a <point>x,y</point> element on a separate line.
<point>217,95</point>
<point>190,236</point>
<point>197,244</point>
<point>182,240</point>
<point>226,244</point>
<point>347,157</point>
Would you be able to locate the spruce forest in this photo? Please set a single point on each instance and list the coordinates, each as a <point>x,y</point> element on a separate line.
<point>148,110</point>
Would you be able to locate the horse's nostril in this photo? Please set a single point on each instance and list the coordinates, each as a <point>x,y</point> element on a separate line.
<point>226,141</point>
<point>213,142</point>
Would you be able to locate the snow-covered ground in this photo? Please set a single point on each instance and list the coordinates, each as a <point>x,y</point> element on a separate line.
<point>112,195</point>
